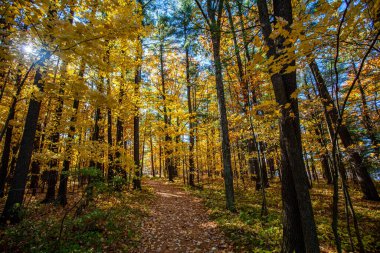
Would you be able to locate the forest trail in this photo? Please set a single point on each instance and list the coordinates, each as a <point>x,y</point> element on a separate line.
<point>178,222</point>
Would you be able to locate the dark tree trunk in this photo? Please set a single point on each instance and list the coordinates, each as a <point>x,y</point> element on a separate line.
<point>119,139</point>
<point>299,230</point>
<point>5,157</point>
<point>136,129</point>
<point>177,157</point>
<point>160,160</point>
<point>251,143</point>
<point>169,166</point>
<point>365,181</point>
<point>326,168</point>
<point>17,187</point>
<point>35,167</point>
<point>324,153</point>
<point>63,180</point>
<point>8,136</point>
<point>243,30</point>
<point>96,135</point>
<point>52,179</point>
<point>7,129</point>
<point>110,144</point>
<point>313,169</point>
<point>226,150</point>
<point>191,117</point>
<point>142,154</point>
<point>264,172</point>
<point>325,156</point>
<point>152,155</point>
<point>109,120</point>
<point>271,167</point>
<point>54,148</point>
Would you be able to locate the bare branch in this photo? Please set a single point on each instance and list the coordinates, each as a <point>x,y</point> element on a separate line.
<point>203,13</point>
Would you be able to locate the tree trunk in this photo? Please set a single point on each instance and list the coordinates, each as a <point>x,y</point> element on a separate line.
<point>63,180</point>
<point>109,136</point>
<point>264,172</point>
<point>152,155</point>
<point>5,157</point>
<point>299,230</point>
<point>8,136</point>
<point>313,169</point>
<point>35,166</point>
<point>54,163</point>
<point>119,139</point>
<point>96,135</point>
<point>325,155</point>
<point>251,142</point>
<point>365,181</point>
<point>226,149</point>
<point>191,117</point>
<point>169,166</point>
<point>17,187</point>
<point>160,160</point>
<point>136,126</point>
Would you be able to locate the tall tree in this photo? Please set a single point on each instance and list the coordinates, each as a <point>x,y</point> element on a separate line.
<point>17,189</point>
<point>213,17</point>
<point>366,184</point>
<point>299,230</point>
<point>136,118</point>
<point>187,10</point>
<point>63,180</point>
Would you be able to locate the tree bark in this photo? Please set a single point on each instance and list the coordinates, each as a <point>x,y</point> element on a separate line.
<point>253,163</point>
<point>119,138</point>
<point>191,117</point>
<point>152,154</point>
<point>299,230</point>
<point>63,180</point>
<point>54,163</point>
<point>8,135</point>
<point>17,187</point>
<point>169,166</point>
<point>136,125</point>
<point>35,166</point>
<point>365,181</point>
<point>226,149</point>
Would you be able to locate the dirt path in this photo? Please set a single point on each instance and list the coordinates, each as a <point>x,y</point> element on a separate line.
<point>179,223</point>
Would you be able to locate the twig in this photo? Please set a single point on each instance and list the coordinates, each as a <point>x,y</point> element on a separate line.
<point>64,217</point>
<point>337,54</point>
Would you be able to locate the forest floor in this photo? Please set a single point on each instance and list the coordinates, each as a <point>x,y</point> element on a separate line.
<point>171,217</point>
<point>111,222</point>
<point>249,232</point>
<point>179,222</point>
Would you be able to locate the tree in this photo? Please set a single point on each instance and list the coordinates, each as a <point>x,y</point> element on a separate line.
<point>299,230</point>
<point>213,18</point>
<point>187,10</point>
<point>16,192</point>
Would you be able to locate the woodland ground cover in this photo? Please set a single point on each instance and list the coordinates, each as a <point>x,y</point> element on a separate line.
<point>110,223</point>
<point>251,232</point>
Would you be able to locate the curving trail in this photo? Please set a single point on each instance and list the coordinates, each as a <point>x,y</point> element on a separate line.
<point>178,223</point>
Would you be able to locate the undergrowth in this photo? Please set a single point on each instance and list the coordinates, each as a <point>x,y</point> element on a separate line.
<point>110,223</point>
<point>250,232</point>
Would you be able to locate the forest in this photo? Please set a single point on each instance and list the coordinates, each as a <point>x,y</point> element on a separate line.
<point>189,126</point>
